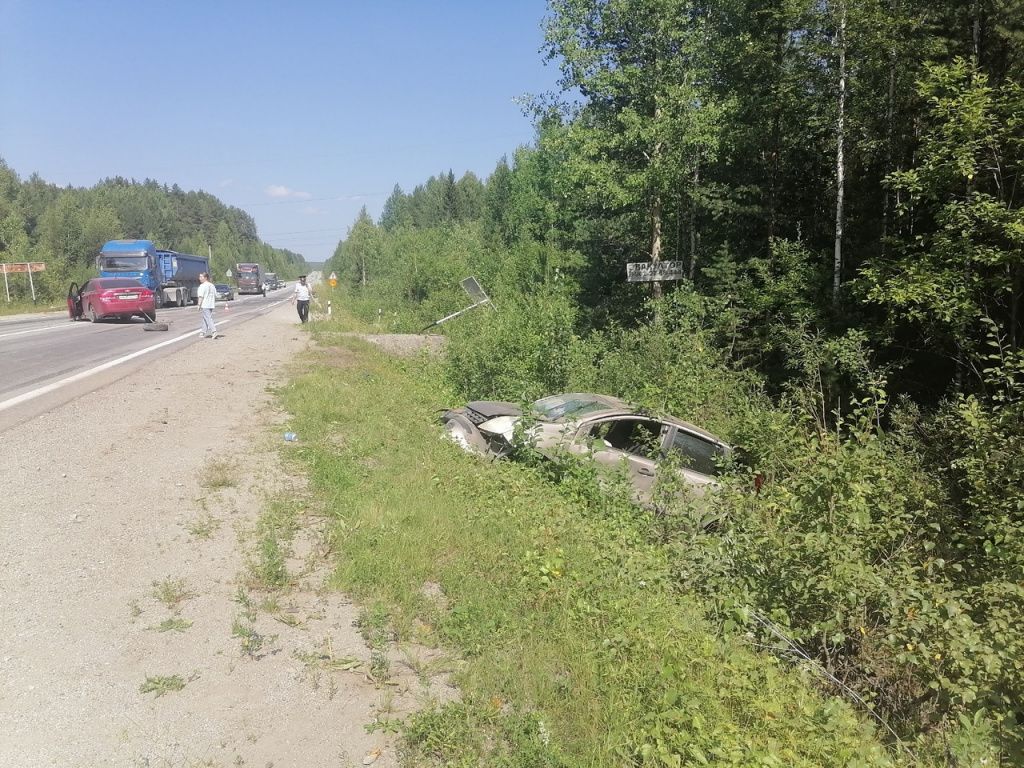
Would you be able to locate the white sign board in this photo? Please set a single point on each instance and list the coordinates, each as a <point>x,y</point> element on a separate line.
<point>475,291</point>
<point>650,272</point>
<point>227,272</point>
<point>333,276</point>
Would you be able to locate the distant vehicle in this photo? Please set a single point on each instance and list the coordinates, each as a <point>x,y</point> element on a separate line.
<point>225,292</point>
<point>111,297</point>
<point>605,429</point>
<point>250,279</point>
<point>272,281</point>
<point>172,277</point>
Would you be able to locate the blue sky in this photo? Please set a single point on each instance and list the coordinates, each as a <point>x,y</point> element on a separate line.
<point>299,113</point>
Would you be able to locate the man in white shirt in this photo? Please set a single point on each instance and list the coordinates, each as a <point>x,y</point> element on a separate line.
<point>300,298</point>
<point>207,301</point>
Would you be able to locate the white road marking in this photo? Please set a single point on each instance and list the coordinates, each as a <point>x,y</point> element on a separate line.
<point>69,324</point>
<point>47,388</point>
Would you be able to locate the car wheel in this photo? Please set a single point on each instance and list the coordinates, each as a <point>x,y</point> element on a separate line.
<point>464,434</point>
<point>92,314</point>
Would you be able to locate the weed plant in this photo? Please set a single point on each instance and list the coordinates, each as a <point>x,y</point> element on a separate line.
<point>274,531</point>
<point>173,624</point>
<point>162,684</point>
<point>172,593</point>
<point>219,474</point>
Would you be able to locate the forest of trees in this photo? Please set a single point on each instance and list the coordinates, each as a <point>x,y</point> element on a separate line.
<point>65,227</point>
<point>839,178</point>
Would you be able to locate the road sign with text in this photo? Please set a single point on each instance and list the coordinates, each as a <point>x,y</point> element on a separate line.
<point>653,272</point>
<point>25,266</point>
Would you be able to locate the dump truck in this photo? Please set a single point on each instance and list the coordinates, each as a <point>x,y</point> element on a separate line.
<point>173,277</point>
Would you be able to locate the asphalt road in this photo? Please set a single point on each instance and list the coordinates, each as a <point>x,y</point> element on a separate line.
<point>46,359</point>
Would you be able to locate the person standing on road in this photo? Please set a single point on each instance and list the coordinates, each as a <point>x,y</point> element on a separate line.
<point>300,298</point>
<point>207,301</point>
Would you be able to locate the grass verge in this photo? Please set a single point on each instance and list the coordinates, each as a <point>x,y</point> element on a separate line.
<point>578,647</point>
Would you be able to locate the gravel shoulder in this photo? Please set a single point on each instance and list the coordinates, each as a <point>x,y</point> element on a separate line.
<point>94,539</point>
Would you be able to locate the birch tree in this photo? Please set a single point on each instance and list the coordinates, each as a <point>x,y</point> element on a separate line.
<point>647,119</point>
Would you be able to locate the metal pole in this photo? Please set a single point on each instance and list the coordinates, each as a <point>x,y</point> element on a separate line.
<point>7,288</point>
<point>456,314</point>
<point>31,283</point>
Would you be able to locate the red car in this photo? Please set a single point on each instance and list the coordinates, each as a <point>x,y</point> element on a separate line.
<point>118,297</point>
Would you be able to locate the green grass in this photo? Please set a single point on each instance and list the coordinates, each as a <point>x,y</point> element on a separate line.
<point>172,593</point>
<point>578,647</point>
<point>26,307</point>
<point>204,526</point>
<point>254,644</point>
<point>374,624</point>
<point>267,567</point>
<point>161,684</point>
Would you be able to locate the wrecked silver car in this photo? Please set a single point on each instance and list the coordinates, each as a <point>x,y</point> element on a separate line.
<point>603,428</point>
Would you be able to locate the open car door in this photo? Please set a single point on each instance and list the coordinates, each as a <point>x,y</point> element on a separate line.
<point>75,302</point>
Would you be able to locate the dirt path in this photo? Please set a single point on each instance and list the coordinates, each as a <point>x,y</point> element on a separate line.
<point>103,547</point>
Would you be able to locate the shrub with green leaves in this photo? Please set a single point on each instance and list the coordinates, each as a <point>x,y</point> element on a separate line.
<point>521,352</point>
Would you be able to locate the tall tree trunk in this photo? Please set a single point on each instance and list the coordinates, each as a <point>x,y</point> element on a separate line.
<point>693,223</point>
<point>837,262</point>
<point>656,238</point>
<point>1015,308</point>
<point>890,134</point>
<point>656,206</point>
<point>976,33</point>
<point>776,135</point>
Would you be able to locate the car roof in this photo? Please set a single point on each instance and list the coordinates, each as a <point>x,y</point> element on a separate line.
<point>613,406</point>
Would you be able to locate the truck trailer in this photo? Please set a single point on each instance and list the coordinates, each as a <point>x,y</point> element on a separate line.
<point>173,277</point>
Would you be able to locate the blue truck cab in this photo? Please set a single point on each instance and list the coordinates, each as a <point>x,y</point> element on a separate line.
<point>173,277</point>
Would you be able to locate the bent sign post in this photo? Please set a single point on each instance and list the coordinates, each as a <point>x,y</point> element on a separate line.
<point>26,267</point>
<point>476,293</point>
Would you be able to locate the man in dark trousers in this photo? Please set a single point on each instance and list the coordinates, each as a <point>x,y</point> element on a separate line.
<point>303,293</point>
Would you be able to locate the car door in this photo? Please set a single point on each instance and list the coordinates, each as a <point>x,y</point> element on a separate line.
<point>89,290</point>
<point>634,442</point>
<point>700,458</point>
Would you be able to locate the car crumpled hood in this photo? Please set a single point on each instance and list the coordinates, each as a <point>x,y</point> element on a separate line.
<point>490,409</point>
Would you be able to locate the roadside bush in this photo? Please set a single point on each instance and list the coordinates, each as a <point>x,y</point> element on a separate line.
<point>859,556</point>
<point>521,352</point>
<point>671,365</point>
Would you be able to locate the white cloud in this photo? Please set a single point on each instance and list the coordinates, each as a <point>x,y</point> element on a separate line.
<point>227,182</point>
<point>279,190</point>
